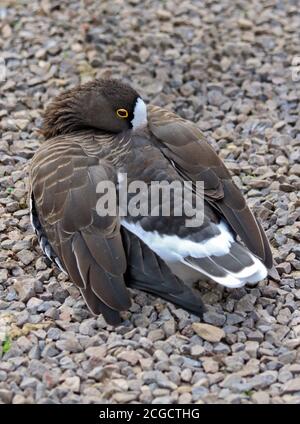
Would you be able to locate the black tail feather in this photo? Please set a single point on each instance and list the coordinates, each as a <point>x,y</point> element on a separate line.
<point>156,278</point>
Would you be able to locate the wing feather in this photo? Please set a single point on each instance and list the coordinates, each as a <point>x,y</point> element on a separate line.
<point>185,145</point>
<point>64,179</point>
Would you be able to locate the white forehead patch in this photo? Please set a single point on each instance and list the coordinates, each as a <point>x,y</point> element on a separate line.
<point>139,114</point>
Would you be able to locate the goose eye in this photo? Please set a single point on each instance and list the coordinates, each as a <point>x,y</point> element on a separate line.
<point>122,113</point>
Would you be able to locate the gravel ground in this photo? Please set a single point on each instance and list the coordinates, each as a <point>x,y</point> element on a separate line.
<point>227,66</point>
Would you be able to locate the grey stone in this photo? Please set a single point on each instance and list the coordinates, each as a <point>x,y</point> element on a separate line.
<point>6,395</point>
<point>158,377</point>
<point>70,344</point>
<point>205,65</point>
<point>261,381</point>
<point>50,350</point>
<point>28,382</point>
<point>261,397</point>
<point>214,318</point>
<point>292,386</point>
<point>25,288</point>
<point>25,256</point>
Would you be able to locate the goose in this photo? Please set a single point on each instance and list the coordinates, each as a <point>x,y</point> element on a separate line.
<point>102,131</point>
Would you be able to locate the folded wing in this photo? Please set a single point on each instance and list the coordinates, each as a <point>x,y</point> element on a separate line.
<point>184,144</point>
<point>89,247</point>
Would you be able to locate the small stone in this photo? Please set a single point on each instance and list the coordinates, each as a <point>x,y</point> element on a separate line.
<point>96,351</point>
<point>284,268</point>
<point>187,89</point>
<point>50,351</point>
<point>221,348</point>
<point>33,304</point>
<point>250,369</point>
<point>246,303</point>
<point>160,355</point>
<point>210,365</point>
<point>251,348</point>
<point>197,350</point>
<point>87,327</point>
<point>214,318</point>
<point>186,375</point>
<point>3,275</point>
<point>233,319</point>
<point>146,363</point>
<point>287,357</point>
<point>18,399</point>
<point>163,15</point>
<point>28,382</point>
<point>6,31</point>
<point>292,386</point>
<point>169,327</point>
<point>261,398</point>
<point>25,288</point>
<point>198,392</point>
<point>208,332</point>
<point>70,344</point>
<point>162,400</point>
<point>3,375</point>
<point>231,381</point>
<point>51,378</point>
<point>159,378</point>
<point>125,397</point>
<point>215,98</point>
<point>233,363</point>
<point>285,376</point>
<point>72,383</point>
<point>185,398</point>
<point>282,160</point>
<point>6,395</point>
<point>25,256</point>
<point>255,336</point>
<point>129,356</point>
<point>155,335</point>
<point>244,23</point>
<point>264,380</point>
<point>97,373</point>
<point>295,169</point>
<point>40,264</point>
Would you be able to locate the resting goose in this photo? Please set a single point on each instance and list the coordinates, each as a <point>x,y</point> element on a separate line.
<point>101,131</point>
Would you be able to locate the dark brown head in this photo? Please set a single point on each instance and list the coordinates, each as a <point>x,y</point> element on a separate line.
<point>107,105</point>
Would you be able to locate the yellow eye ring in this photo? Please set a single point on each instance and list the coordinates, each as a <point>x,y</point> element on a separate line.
<point>122,113</point>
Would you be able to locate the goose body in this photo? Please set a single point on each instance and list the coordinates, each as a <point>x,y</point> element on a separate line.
<point>86,144</point>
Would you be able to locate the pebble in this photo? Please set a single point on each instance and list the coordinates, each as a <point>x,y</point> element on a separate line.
<point>206,65</point>
<point>70,344</point>
<point>25,256</point>
<point>210,365</point>
<point>129,356</point>
<point>264,380</point>
<point>208,332</point>
<point>96,351</point>
<point>292,386</point>
<point>25,288</point>
<point>33,304</point>
<point>97,373</point>
<point>72,384</point>
<point>6,396</point>
<point>261,398</point>
<point>251,348</point>
<point>214,318</point>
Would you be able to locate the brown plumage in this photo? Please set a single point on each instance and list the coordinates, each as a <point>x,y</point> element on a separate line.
<point>87,142</point>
